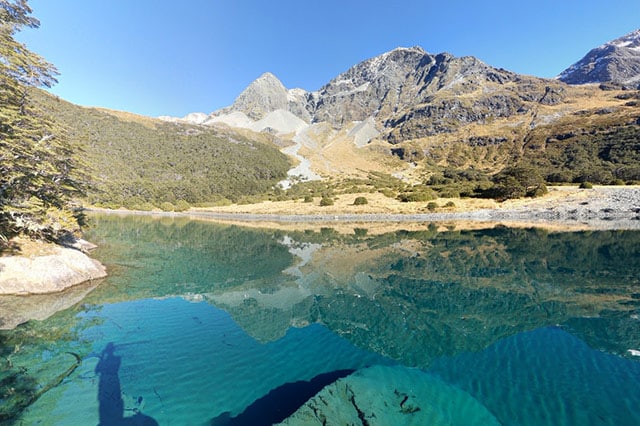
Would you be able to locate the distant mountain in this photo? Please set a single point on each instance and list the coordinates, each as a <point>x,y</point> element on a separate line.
<point>617,61</point>
<point>438,113</point>
<point>411,93</point>
<point>407,92</point>
<point>268,94</point>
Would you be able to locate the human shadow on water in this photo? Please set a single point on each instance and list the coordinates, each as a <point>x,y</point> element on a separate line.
<point>111,404</point>
<point>280,402</point>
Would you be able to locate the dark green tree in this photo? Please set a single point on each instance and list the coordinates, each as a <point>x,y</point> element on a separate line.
<point>38,175</point>
<point>517,182</point>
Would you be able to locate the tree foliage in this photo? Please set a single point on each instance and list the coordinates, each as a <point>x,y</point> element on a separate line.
<point>517,182</point>
<point>37,171</point>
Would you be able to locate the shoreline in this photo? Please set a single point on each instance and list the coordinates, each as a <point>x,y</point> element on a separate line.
<point>51,269</point>
<point>570,208</point>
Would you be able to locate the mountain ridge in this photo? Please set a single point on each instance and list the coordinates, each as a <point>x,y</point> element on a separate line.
<point>616,61</point>
<point>448,123</point>
<point>416,106</point>
<point>385,87</point>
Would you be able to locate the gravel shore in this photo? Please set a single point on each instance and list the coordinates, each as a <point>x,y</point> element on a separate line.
<point>603,207</point>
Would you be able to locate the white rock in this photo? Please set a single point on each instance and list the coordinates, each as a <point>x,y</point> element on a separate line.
<point>51,273</point>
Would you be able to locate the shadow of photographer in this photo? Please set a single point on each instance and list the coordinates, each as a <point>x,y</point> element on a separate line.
<point>111,405</point>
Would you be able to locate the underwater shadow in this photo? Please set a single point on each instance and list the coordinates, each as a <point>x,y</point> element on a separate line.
<point>280,402</point>
<point>111,405</point>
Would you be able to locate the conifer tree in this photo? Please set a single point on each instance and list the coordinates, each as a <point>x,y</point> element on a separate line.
<point>38,175</point>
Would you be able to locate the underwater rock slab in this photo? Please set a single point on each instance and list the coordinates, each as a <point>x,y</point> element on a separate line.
<point>384,395</point>
<point>54,272</point>
<point>16,310</point>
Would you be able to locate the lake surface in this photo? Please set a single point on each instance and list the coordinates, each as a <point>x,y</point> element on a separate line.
<point>208,324</point>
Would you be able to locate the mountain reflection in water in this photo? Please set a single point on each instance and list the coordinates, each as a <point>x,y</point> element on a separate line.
<point>418,298</point>
<point>412,296</point>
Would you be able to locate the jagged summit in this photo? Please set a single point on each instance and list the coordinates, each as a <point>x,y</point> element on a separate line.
<point>263,95</point>
<point>403,94</point>
<point>617,61</point>
<point>390,86</point>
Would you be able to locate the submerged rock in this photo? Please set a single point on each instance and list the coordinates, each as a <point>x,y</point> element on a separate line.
<point>16,310</point>
<point>392,396</point>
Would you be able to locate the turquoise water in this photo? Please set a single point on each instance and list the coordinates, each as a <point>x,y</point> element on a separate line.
<point>207,324</point>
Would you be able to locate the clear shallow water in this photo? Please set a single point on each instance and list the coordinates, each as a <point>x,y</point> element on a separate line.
<point>554,377</point>
<point>201,323</point>
<point>184,363</point>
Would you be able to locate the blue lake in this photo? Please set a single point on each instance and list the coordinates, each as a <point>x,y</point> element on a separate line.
<point>208,324</point>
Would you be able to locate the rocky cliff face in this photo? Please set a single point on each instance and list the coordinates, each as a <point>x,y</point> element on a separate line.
<point>412,94</point>
<point>617,61</point>
<point>399,80</point>
<point>375,87</point>
<point>408,92</point>
<point>267,94</point>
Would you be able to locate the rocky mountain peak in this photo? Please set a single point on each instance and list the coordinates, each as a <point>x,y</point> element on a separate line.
<point>398,56</point>
<point>631,40</point>
<point>263,95</point>
<point>403,94</point>
<point>617,61</point>
<point>397,80</point>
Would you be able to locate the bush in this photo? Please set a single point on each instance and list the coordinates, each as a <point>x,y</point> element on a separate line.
<point>167,207</point>
<point>308,199</point>
<point>559,177</point>
<point>450,204</point>
<point>417,196</point>
<point>326,201</point>
<point>388,193</point>
<point>360,201</point>
<point>432,206</point>
<point>145,207</point>
<point>538,191</point>
<point>586,185</point>
<point>182,205</point>
<point>517,182</point>
<point>360,232</point>
<point>447,192</point>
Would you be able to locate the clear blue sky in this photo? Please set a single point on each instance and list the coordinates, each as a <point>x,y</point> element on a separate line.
<point>157,57</point>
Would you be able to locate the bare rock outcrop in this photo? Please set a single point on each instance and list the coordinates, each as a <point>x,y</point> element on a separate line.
<point>406,93</point>
<point>59,269</point>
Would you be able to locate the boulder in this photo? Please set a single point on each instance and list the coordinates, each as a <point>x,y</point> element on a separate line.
<point>58,269</point>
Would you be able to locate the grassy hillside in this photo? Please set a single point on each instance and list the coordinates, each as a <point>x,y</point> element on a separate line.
<point>593,135</point>
<point>137,160</point>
